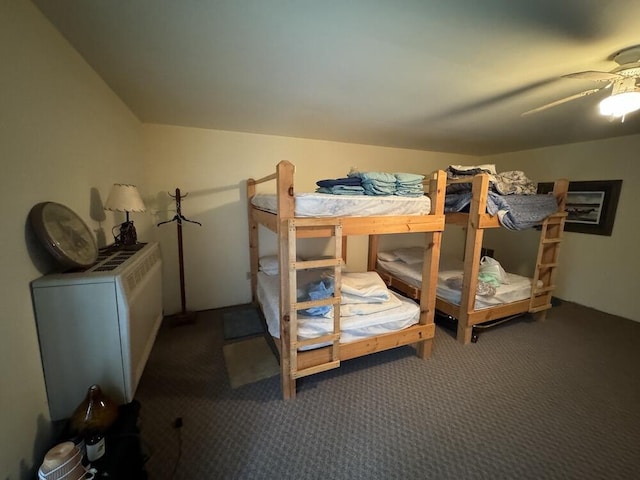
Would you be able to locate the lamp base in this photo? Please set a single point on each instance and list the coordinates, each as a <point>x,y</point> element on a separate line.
<point>128,235</point>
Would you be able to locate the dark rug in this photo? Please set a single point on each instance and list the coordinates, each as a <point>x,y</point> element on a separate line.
<point>242,322</point>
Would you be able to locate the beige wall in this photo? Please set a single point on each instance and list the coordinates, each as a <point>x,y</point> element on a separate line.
<point>596,271</point>
<point>212,167</point>
<point>64,137</point>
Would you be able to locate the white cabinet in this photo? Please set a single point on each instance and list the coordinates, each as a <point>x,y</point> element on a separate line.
<point>98,326</point>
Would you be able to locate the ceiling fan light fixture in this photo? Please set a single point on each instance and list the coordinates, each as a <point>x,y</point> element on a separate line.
<point>620,104</point>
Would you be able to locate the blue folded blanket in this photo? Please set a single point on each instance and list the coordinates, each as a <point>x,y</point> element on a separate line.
<point>408,178</point>
<point>342,190</point>
<point>351,181</point>
<point>317,291</point>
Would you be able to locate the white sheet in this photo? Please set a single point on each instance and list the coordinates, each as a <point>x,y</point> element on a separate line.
<point>354,327</point>
<point>328,205</point>
<point>519,288</point>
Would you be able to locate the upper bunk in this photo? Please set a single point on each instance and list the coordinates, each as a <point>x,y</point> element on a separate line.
<point>358,214</point>
<point>486,208</point>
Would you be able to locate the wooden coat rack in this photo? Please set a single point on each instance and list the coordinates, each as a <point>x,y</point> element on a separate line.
<point>184,316</point>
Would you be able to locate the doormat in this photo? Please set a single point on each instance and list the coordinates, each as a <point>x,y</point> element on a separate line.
<point>249,361</point>
<point>243,322</point>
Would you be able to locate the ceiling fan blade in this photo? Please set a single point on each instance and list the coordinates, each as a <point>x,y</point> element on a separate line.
<point>562,100</point>
<point>595,76</point>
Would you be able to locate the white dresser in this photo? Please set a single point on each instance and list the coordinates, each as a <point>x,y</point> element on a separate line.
<point>98,326</point>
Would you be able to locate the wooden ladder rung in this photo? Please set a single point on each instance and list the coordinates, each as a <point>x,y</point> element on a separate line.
<point>328,338</point>
<point>552,240</point>
<point>323,302</point>
<point>322,263</point>
<point>543,266</point>
<point>316,369</point>
<point>543,290</point>
<point>556,218</point>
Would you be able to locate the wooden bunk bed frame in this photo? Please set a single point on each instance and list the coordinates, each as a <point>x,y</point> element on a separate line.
<point>295,363</point>
<point>476,222</point>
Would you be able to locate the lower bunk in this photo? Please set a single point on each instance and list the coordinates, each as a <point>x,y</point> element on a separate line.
<point>379,320</point>
<point>494,303</point>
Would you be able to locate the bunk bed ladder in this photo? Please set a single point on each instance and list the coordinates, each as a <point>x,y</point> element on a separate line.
<point>547,262</point>
<point>336,262</point>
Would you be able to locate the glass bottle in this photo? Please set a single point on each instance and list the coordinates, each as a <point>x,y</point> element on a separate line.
<point>91,420</point>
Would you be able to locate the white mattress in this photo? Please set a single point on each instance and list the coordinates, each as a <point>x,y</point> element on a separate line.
<point>354,327</point>
<point>328,205</point>
<point>519,288</point>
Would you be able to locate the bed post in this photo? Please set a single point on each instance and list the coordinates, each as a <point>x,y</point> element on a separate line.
<point>433,242</point>
<point>286,203</point>
<point>473,248</point>
<point>254,247</point>
<point>374,241</point>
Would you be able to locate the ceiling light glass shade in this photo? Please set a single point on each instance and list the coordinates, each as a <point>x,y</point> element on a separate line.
<point>619,105</point>
<point>124,198</point>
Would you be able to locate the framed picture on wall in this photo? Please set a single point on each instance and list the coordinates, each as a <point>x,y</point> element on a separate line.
<point>591,205</point>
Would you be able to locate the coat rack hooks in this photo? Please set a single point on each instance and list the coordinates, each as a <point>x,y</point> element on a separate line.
<point>184,316</point>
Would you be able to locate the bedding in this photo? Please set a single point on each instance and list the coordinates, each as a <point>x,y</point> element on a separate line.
<point>328,205</point>
<point>515,212</point>
<point>518,288</point>
<point>402,313</point>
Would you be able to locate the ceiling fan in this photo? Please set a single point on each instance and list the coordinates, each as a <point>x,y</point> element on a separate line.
<point>622,80</point>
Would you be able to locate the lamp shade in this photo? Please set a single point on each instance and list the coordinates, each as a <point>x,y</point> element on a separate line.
<point>124,198</point>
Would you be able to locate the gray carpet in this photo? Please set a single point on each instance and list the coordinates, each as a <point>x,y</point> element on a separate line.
<point>558,399</point>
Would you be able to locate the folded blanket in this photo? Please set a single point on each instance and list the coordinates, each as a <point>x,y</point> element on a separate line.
<point>379,177</point>
<point>364,287</point>
<point>351,181</point>
<point>357,289</point>
<point>408,178</point>
<point>353,309</point>
<point>342,190</point>
<point>317,291</point>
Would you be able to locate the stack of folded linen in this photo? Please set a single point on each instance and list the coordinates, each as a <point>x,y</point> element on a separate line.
<point>361,294</point>
<point>409,184</point>
<point>376,183</point>
<point>341,186</point>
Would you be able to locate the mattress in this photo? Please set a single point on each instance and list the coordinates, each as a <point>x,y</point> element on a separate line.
<point>518,288</point>
<point>354,327</point>
<point>328,205</point>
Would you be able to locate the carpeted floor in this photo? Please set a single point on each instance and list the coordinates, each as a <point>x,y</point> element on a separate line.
<point>550,400</point>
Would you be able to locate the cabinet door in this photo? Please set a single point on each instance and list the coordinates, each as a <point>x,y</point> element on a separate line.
<point>79,337</point>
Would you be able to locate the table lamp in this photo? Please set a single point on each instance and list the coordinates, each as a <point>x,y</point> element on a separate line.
<point>125,198</point>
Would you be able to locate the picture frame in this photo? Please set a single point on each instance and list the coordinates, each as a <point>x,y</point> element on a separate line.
<point>591,205</point>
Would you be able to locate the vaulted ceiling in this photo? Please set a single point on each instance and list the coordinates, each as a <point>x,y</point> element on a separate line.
<point>449,76</point>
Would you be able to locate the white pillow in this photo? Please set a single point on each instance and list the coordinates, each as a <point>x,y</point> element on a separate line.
<point>410,255</point>
<point>387,256</point>
<point>269,264</point>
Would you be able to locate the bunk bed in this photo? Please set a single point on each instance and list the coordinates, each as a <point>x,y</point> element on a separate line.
<point>303,355</point>
<point>522,295</point>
